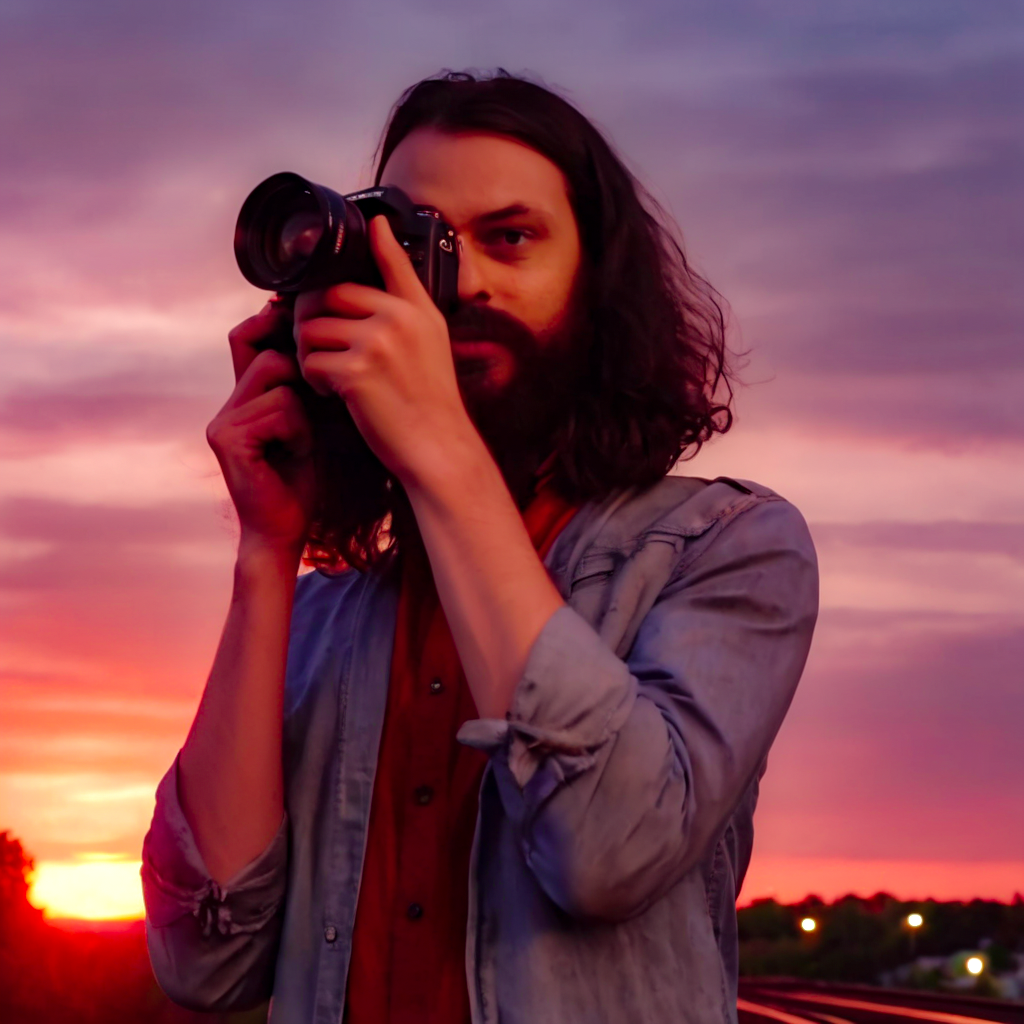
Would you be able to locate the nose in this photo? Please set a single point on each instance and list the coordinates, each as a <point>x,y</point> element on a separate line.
<point>472,284</point>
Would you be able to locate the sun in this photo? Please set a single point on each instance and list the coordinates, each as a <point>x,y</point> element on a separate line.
<point>96,887</point>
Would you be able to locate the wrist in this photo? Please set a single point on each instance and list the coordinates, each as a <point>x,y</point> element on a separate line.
<point>452,466</point>
<point>260,557</point>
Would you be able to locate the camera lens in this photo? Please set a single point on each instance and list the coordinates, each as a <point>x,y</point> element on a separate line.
<point>299,236</point>
<point>291,233</point>
<point>279,229</point>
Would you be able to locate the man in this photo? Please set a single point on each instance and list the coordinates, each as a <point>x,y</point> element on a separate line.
<point>614,648</point>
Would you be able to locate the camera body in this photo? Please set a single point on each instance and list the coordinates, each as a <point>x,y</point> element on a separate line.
<point>293,235</point>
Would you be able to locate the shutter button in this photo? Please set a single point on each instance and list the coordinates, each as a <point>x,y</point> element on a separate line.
<point>423,795</point>
<point>330,933</point>
<point>414,912</point>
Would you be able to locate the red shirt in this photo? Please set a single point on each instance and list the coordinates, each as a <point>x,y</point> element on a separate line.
<point>409,942</point>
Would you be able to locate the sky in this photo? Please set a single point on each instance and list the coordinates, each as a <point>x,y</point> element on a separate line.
<point>847,174</point>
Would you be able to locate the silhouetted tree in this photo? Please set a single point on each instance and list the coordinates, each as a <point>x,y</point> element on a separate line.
<point>93,976</point>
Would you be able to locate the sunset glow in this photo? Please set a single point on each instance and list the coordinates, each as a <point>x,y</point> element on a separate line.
<point>789,879</point>
<point>94,888</point>
<point>847,181</point>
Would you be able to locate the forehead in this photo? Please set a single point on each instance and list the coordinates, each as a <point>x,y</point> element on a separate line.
<point>469,174</point>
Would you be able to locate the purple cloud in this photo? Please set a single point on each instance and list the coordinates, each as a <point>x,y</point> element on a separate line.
<point>898,745</point>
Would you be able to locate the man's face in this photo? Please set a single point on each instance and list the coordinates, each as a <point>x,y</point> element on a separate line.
<point>519,256</point>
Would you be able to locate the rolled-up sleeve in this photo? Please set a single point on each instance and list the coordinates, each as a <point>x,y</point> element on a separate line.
<point>212,947</point>
<point>619,773</point>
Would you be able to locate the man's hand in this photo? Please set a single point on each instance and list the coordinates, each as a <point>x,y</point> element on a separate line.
<point>388,355</point>
<point>262,438</point>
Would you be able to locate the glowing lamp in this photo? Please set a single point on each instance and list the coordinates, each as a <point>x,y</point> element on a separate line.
<point>975,965</point>
<point>808,924</point>
<point>915,920</point>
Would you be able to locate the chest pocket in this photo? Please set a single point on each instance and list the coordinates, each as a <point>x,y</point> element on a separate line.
<point>614,593</point>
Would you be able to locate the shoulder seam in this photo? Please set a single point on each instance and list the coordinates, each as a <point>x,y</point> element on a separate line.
<point>718,524</point>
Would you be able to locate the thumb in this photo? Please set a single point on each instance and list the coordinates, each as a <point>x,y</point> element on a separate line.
<point>400,277</point>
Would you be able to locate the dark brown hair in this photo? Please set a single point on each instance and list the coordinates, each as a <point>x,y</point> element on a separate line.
<point>654,382</point>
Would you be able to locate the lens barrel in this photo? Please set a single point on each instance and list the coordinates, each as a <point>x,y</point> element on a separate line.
<point>293,235</point>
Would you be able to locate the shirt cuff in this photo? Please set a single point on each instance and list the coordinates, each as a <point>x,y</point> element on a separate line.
<point>176,881</point>
<point>574,695</point>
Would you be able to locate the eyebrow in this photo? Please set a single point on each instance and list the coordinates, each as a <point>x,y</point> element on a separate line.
<point>513,210</point>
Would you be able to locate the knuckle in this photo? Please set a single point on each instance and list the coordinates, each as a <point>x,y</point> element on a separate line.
<point>240,330</point>
<point>215,432</point>
<point>272,358</point>
<point>248,329</point>
<point>373,357</point>
<point>270,361</point>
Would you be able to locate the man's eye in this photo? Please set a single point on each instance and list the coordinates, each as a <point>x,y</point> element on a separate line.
<point>509,236</point>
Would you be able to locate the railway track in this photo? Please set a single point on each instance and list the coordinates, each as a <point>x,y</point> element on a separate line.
<point>764,1001</point>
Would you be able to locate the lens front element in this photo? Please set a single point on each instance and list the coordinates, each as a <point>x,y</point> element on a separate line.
<point>288,227</point>
<point>292,245</point>
<point>293,235</point>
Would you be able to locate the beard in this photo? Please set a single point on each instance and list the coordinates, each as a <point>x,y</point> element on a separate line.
<point>520,417</point>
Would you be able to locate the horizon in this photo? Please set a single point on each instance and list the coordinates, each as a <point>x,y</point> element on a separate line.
<point>846,176</point>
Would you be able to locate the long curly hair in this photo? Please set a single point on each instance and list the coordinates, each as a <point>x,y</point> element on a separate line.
<point>656,378</point>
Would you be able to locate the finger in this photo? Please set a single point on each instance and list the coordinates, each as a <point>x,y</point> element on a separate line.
<point>285,426</point>
<point>349,300</point>
<point>393,261</point>
<point>282,397</point>
<point>250,424</point>
<point>273,427</point>
<point>267,369</point>
<point>271,324</point>
<point>332,372</point>
<point>328,334</point>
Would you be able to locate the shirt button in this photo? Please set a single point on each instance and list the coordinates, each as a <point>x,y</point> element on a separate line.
<point>436,686</point>
<point>330,933</point>
<point>423,795</point>
<point>414,911</point>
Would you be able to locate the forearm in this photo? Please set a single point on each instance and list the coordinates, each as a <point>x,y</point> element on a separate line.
<point>495,591</point>
<point>621,767</point>
<point>230,774</point>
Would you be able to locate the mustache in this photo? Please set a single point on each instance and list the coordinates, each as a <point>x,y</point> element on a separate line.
<point>475,322</point>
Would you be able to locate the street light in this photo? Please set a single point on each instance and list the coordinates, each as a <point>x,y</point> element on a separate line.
<point>808,924</point>
<point>914,921</point>
<point>975,965</point>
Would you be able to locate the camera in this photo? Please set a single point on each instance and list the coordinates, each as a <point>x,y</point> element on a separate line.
<point>293,236</point>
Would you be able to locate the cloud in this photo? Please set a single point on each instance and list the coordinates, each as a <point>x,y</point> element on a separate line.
<point>854,474</point>
<point>970,411</point>
<point>159,398</point>
<point>946,537</point>
<point>847,175</point>
<point>864,222</point>
<point>66,523</point>
<point>105,599</point>
<point>897,744</point>
<point>850,181</point>
<point>970,576</point>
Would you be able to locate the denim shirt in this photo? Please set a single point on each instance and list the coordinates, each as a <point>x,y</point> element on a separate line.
<point>615,819</point>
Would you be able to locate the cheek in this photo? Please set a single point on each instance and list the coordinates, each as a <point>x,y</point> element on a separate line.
<point>544,297</point>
